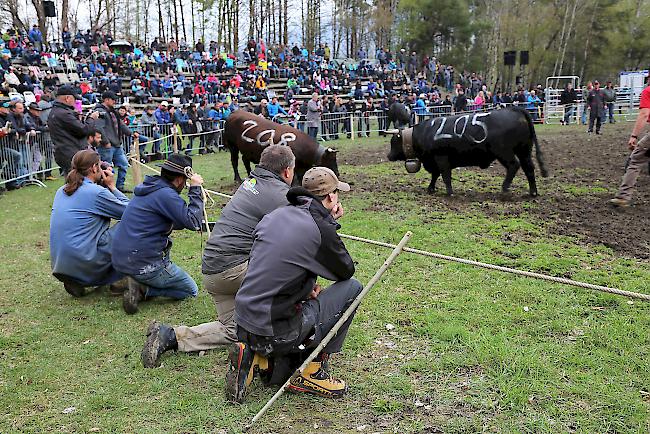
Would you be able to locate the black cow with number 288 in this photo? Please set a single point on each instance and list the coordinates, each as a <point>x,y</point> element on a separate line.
<point>471,139</point>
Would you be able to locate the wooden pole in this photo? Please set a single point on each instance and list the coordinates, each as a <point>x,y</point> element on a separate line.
<point>135,169</point>
<point>350,310</point>
<point>175,139</point>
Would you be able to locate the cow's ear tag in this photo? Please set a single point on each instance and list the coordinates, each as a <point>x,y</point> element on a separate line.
<point>413,166</point>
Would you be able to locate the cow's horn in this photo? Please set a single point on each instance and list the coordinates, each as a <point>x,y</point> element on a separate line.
<point>332,150</point>
<point>392,131</point>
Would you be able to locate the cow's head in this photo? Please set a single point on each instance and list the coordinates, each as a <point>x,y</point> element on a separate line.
<point>328,159</point>
<point>396,147</point>
<point>401,148</point>
<point>401,145</point>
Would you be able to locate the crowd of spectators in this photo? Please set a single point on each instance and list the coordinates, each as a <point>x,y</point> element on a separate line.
<point>196,87</point>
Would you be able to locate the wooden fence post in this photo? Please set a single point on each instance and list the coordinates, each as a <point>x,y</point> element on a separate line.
<point>175,139</point>
<point>135,168</point>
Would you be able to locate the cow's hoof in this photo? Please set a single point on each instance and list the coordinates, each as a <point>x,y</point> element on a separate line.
<point>534,194</point>
<point>431,191</point>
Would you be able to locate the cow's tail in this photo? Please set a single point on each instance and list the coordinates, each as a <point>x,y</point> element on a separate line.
<point>533,136</point>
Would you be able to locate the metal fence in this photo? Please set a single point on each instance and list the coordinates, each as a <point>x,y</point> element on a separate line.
<point>26,159</point>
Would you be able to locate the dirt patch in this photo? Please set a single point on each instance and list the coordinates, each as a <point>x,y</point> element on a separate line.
<point>585,173</point>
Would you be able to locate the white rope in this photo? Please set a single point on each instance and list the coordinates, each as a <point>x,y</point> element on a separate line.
<point>507,270</point>
<point>534,275</point>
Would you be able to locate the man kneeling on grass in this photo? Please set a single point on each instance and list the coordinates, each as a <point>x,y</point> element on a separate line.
<point>80,232</point>
<point>142,244</point>
<point>281,312</point>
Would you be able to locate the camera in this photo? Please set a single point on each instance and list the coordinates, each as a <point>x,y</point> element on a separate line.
<point>104,165</point>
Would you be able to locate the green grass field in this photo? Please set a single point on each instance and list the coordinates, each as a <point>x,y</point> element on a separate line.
<point>471,351</point>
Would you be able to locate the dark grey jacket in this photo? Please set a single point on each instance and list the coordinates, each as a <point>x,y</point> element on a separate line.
<point>111,127</point>
<point>232,237</point>
<point>293,246</point>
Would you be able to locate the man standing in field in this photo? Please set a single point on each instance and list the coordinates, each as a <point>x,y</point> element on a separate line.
<point>640,152</point>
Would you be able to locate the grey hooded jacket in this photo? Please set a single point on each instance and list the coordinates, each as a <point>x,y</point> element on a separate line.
<point>232,237</point>
<point>293,246</point>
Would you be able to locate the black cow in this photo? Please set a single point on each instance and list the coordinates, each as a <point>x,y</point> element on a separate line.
<point>399,114</point>
<point>475,139</point>
<point>249,134</point>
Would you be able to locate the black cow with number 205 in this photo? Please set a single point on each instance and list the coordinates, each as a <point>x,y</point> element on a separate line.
<point>472,139</point>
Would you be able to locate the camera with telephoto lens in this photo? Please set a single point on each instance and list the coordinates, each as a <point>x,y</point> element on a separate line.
<point>104,165</point>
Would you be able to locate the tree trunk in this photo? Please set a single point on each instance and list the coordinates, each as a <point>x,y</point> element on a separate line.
<point>161,23</point>
<point>182,12</point>
<point>40,18</point>
<point>65,10</point>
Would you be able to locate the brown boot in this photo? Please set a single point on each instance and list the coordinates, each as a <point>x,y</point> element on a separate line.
<point>117,289</point>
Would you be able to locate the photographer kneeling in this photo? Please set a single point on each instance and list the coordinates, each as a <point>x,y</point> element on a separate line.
<point>80,232</point>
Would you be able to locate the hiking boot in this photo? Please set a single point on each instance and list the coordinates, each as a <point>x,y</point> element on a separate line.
<point>316,379</point>
<point>243,363</point>
<point>618,202</point>
<point>117,289</point>
<point>133,296</point>
<point>160,338</point>
<point>74,289</point>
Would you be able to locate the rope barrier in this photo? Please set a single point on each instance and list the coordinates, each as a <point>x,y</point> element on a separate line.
<point>531,274</point>
<point>154,140</point>
<point>561,280</point>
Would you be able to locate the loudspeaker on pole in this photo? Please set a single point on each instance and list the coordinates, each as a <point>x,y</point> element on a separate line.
<point>48,8</point>
<point>523,57</point>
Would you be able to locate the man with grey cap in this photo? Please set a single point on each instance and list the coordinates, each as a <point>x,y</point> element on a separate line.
<point>67,132</point>
<point>225,258</point>
<point>280,311</point>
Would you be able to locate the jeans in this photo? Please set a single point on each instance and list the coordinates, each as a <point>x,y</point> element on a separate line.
<point>313,132</point>
<point>116,157</point>
<point>170,281</point>
<point>13,159</point>
<point>568,113</point>
<point>610,110</point>
<point>142,148</point>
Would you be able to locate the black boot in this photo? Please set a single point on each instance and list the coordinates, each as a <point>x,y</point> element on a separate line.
<point>160,338</point>
<point>134,295</point>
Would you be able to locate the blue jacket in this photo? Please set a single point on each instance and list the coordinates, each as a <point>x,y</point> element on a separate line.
<point>420,107</point>
<point>162,116</point>
<point>275,109</point>
<point>141,242</point>
<point>80,238</point>
<point>35,35</point>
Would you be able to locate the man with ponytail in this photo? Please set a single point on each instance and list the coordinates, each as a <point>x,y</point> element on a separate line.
<point>142,244</point>
<point>80,232</point>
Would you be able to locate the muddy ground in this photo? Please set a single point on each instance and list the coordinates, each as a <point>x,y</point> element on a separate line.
<point>585,173</point>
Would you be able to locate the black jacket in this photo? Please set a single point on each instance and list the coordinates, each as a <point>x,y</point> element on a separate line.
<point>568,97</point>
<point>67,132</point>
<point>292,246</point>
<point>110,126</point>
